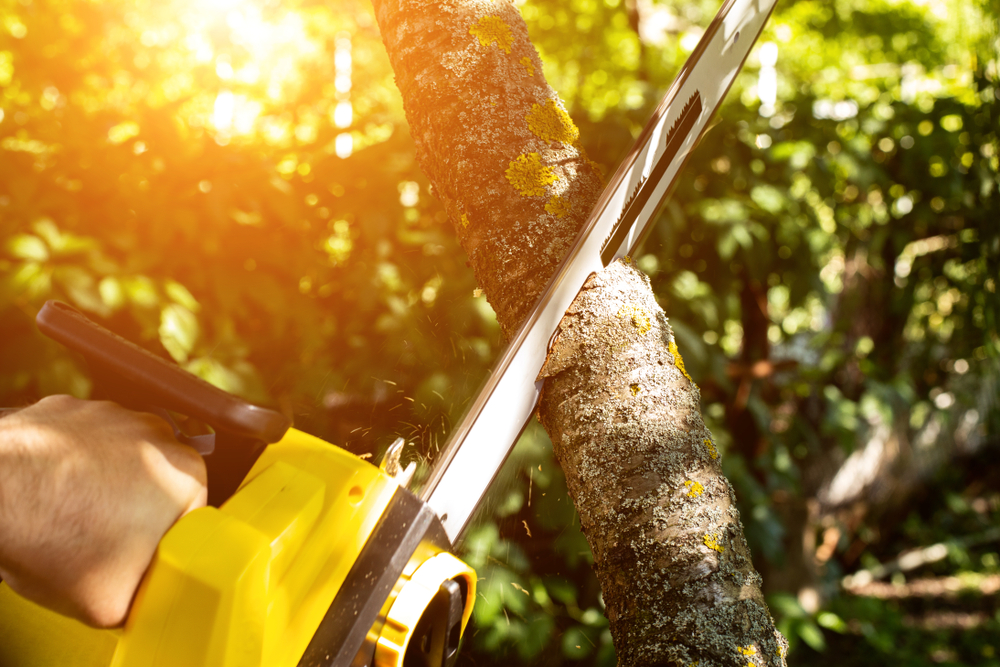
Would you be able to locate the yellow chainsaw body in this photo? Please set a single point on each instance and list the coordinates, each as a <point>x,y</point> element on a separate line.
<point>247,584</point>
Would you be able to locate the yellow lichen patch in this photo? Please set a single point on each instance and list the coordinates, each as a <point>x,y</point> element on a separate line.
<point>712,451</point>
<point>712,542</point>
<point>529,66</point>
<point>558,206</point>
<point>465,220</point>
<point>529,176</point>
<point>695,489</point>
<point>491,29</point>
<point>551,123</point>
<point>638,316</point>
<point>627,259</point>
<point>635,389</point>
<point>678,361</point>
<point>747,650</point>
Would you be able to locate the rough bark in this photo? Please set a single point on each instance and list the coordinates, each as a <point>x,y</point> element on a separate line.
<point>622,413</point>
<point>645,476</point>
<point>498,147</point>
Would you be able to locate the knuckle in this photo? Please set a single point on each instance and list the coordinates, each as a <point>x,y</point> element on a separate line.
<point>154,423</point>
<point>189,462</point>
<point>61,401</point>
<point>109,615</point>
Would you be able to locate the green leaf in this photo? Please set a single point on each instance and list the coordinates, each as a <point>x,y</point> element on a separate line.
<point>178,331</point>
<point>785,605</point>
<point>81,289</point>
<point>27,246</point>
<point>594,617</point>
<point>122,132</point>
<point>512,503</point>
<point>727,245</point>
<point>61,243</point>
<point>477,545</point>
<point>768,198</point>
<point>812,635</point>
<point>742,236</point>
<point>831,621</point>
<point>180,295</point>
<point>722,211</point>
<point>32,280</point>
<point>141,291</point>
<point>112,293</point>
<point>798,153</point>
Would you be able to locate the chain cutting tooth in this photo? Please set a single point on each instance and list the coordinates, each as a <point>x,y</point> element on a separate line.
<point>391,466</point>
<point>390,462</point>
<point>666,140</point>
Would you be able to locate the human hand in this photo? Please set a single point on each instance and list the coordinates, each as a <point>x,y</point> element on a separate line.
<point>87,490</point>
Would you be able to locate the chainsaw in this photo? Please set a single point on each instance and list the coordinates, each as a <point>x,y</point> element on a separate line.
<point>307,555</point>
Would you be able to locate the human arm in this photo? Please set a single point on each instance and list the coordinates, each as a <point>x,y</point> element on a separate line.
<point>87,490</point>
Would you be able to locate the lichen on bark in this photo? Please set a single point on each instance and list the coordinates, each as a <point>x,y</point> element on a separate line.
<point>621,410</point>
<point>679,585</point>
<point>496,144</point>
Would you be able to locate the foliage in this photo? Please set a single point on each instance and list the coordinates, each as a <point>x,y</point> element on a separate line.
<point>807,257</point>
<point>208,179</point>
<point>175,173</point>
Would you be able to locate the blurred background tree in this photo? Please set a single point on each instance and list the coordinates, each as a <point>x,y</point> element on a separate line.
<point>232,185</point>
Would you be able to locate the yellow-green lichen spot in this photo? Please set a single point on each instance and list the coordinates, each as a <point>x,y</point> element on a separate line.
<point>712,542</point>
<point>552,123</point>
<point>695,489</point>
<point>465,220</point>
<point>558,207</point>
<point>712,451</point>
<point>529,67</point>
<point>747,650</point>
<point>678,361</point>
<point>491,29</point>
<point>529,176</point>
<point>638,316</point>
<point>635,389</point>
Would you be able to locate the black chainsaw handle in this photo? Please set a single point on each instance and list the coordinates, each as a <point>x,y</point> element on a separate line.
<point>139,380</point>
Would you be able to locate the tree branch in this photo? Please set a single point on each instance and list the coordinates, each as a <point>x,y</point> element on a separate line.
<point>503,156</point>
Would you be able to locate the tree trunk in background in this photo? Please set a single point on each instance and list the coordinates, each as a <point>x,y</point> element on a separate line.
<point>503,157</point>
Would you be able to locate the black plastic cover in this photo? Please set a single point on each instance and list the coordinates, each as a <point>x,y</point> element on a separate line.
<point>345,637</point>
<point>156,381</point>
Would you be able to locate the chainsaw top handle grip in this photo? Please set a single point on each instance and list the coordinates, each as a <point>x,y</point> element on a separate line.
<point>140,380</point>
